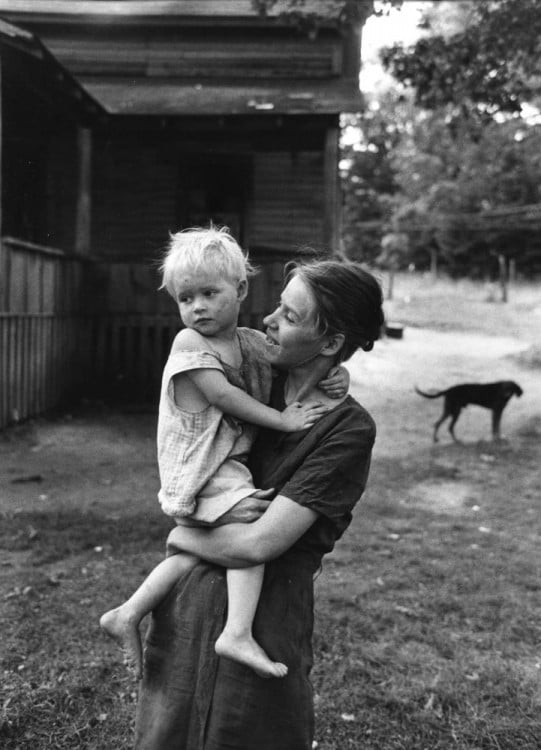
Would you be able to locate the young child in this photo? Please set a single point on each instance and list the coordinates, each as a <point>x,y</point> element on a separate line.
<point>214,389</point>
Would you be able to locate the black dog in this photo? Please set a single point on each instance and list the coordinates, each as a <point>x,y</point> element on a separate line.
<point>493,396</point>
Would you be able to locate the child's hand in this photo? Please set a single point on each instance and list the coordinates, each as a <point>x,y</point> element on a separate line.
<point>336,382</point>
<point>299,416</point>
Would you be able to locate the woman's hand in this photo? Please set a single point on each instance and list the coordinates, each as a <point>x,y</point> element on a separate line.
<point>336,382</point>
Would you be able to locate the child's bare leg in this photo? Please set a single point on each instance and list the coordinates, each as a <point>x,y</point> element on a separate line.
<point>122,623</point>
<point>236,641</point>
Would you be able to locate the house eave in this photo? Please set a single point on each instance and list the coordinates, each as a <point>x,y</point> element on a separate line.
<point>167,97</point>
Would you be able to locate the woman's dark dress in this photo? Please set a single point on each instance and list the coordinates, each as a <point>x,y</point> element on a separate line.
<point>192,700</point>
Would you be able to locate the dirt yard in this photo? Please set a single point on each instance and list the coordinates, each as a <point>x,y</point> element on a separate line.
<point>101,460</point>
<point>427,608</point>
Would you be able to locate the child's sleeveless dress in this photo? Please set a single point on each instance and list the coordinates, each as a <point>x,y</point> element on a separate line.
<point>202,455</point>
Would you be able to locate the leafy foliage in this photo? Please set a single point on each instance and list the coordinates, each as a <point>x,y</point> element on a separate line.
<point>490,66</point>
<point>456,144</point>
<point>447,180</point>
<point>310,13</point>
<point>369,181</point>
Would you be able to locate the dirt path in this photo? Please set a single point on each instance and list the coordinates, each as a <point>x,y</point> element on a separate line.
<point>384,382</point>
<point>106,462</point>
<point>92,461</point>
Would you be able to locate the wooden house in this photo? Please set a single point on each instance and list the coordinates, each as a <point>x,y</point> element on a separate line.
<point>188,111</point>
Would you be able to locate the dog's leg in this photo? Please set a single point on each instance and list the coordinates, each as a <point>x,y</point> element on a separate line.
<point>496,420</point>
<point>437,426</point>
<point>452,423</point>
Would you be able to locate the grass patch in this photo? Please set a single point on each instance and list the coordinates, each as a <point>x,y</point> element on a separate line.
<point>64,684</point>
<point>427,630</point>
<point>465,305</point>
<point>54,536</point>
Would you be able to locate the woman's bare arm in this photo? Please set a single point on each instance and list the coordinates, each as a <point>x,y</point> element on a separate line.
<point>243,545</point>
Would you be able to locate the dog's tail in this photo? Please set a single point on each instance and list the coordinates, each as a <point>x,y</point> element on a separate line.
<point>430,395</point>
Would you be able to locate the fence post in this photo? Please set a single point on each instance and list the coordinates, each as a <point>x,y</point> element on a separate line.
<point>503,276</point>
<point>512,271</point>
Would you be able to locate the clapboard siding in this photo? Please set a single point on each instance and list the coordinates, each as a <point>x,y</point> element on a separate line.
<point>61,198</point>
<point>178,55</point>
<point>288,205</point>
<point>134,198</point>
<point>286,198</point>
<point>169,9</point>
<point>131,288</point>
<point>38,174</point>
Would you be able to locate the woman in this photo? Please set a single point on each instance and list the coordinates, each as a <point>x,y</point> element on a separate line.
<point>190,699</point>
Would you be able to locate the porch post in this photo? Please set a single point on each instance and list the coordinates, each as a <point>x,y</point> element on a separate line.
<point>83,215</point>
<point>331,216</point>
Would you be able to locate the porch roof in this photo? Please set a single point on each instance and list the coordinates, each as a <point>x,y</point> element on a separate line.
<point>167,97</point>
<point>147,76</point>
<point>53,75</point>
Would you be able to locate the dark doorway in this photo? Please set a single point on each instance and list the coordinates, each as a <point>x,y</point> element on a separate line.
<point>215,187</point>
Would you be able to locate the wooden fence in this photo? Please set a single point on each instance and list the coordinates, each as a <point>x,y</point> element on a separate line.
<point>127,353</point>
<point>40,328</point>
<point>38,363</point>
<point>73,327</point>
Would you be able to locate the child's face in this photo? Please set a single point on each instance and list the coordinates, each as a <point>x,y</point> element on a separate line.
<point>209,304</point>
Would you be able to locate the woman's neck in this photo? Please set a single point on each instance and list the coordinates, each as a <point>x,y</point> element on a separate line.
<point>301,382</point>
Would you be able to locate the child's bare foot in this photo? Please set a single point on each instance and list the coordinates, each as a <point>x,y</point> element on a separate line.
<point>248,652</point>
<point>120,626</point>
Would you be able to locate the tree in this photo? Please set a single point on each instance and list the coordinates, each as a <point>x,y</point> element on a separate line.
<point>310,14</point>
<point>448,182</point>
<point>368,179</point>
<point>488,66</point>
<point>468,151</point>
<point>394,246</point>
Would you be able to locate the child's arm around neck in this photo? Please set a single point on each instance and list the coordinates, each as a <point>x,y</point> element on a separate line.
<point>195,389</point>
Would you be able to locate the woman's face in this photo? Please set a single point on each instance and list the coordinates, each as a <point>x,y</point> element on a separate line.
<point>292,336</point>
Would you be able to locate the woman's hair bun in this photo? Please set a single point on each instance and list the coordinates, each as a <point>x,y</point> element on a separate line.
<point>349,301</point>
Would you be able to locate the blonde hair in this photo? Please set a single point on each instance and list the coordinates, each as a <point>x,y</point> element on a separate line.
<point>198,249</point>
